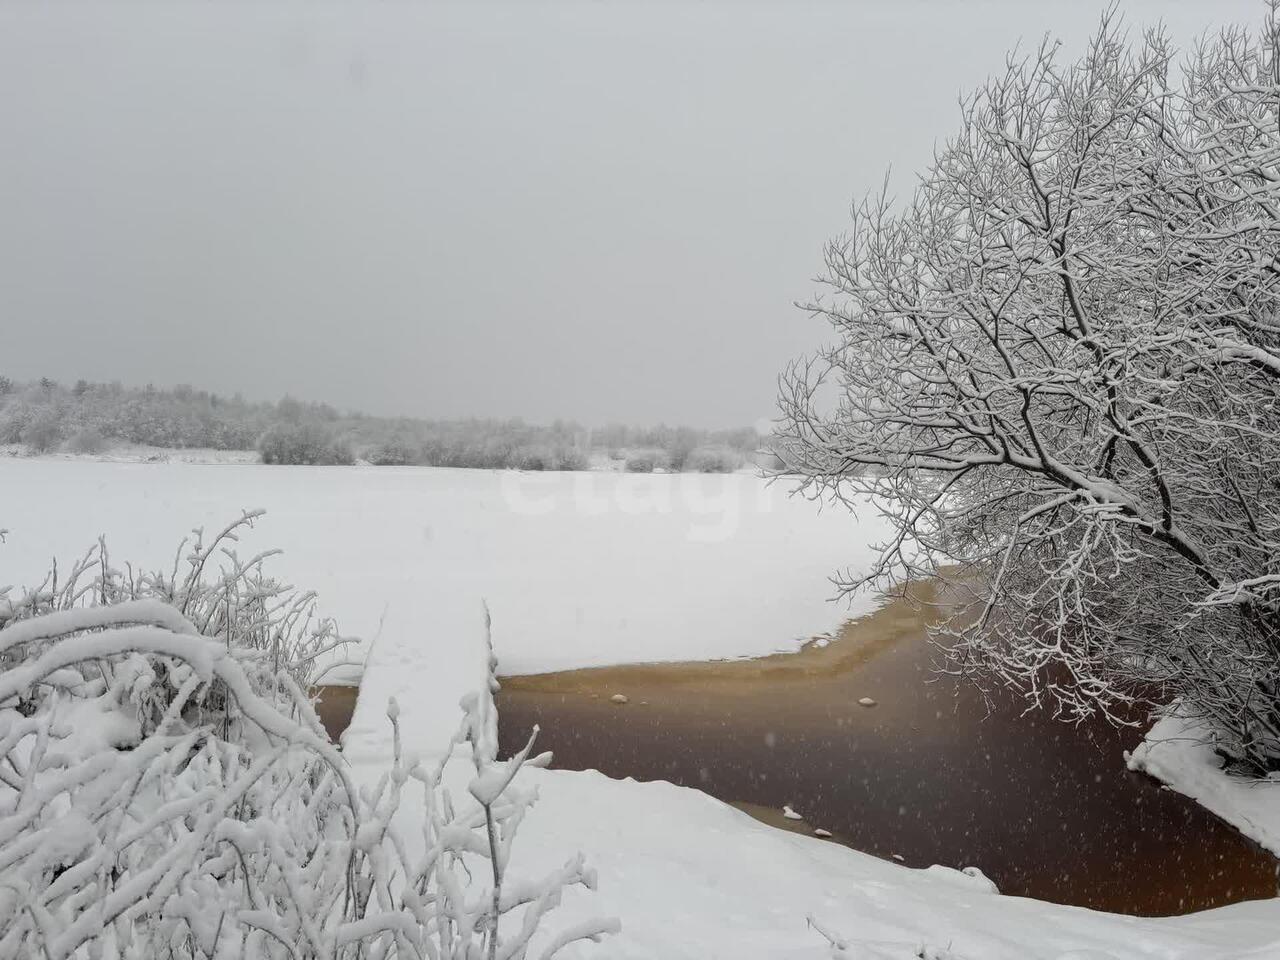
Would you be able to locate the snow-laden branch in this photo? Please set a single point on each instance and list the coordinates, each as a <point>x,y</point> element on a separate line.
<point>166,792</point>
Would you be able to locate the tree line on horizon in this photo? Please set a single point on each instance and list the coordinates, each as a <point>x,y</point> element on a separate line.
<point>45,416</point>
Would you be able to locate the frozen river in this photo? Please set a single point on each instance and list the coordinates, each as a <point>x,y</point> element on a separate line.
<point>594,568</point>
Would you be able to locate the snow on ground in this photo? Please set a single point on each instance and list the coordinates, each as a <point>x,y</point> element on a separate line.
<point>1177,750</point>
<point>583,569</point>
<point>694,879</point>
<point>691,877</point>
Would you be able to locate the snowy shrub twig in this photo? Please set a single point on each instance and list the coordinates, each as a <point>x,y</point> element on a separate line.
<point>166,790</point>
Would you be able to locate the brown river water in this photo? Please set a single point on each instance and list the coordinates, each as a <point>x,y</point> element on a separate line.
<point>931,774</point>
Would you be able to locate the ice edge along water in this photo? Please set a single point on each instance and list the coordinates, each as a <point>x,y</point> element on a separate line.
<point>1178,751</point>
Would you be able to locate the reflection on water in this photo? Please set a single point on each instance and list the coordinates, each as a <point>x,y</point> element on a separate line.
<point>929,774</point>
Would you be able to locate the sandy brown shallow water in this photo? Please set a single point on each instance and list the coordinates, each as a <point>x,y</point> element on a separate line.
<point>334,706</point>
<point>929,774</point>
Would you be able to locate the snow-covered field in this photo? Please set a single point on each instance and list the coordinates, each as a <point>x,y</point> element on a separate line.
<point>578,568</point>
<point>583,569</point>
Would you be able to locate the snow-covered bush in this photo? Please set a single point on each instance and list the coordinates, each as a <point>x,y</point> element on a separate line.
<point>713,460</point>
<point>639,463</point>
<point>304,443</point>
<point>1058,368</point>
<point>42,432</point>
<point>396,452</point>
<point>166,789</point>
<point>182,416</point>
<point>571,458</point>
<point>87,440</point>
<point>533,457</point>
<point>13,418</point>
<point>646,461</point>
<point>239,602</point>
<point>547,457</point>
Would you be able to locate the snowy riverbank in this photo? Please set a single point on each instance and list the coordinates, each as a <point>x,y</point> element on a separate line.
<point>695,879</point>
<point>1179,752</point>
<point>585,569</point>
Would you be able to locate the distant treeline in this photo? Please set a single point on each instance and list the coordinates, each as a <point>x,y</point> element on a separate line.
<point>91,417</point>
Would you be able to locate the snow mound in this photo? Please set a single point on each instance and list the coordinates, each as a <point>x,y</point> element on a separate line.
<point>1178,751</point>
<point>696,879</point>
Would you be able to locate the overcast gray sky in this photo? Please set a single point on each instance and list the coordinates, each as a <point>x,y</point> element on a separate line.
<point>598,210</point>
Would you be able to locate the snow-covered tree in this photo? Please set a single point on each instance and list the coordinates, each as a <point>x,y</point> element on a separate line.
<point>1057,368</point>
